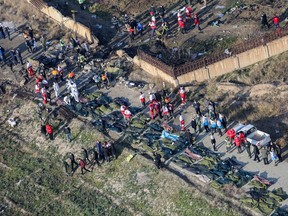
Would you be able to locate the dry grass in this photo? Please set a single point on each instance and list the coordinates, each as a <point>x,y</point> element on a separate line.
<point>23,14</point>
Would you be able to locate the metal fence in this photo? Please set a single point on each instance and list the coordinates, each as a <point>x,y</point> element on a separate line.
<point>187,67</point>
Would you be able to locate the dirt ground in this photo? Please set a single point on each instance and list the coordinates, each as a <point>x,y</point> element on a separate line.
<point>257,95</point>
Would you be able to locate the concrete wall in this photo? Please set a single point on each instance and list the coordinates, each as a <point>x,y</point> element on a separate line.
<point>68,22</point>
<point>224,66</point>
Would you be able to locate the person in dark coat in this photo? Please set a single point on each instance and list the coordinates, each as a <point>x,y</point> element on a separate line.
<point>247,147</point>
<point>256,153</point>
<point>2,35</point>
<point>7,32</point>
<point>19,56</point>
<point>278,152</point>
<point>196,106</point>
<point>194,124</point>
<point>85,156</point>
<point>72,162</point>
<point>98,147</point>
<point>188,137</point>
<point>95,157</point>
<point>157,160</point>
<point>264,21</point>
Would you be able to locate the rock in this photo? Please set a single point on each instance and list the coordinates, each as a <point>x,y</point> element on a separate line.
<point>120,53</point>
<point>136,61</point>
<point>151,85</point>
<point>112,69</point>
<point>22,82</point>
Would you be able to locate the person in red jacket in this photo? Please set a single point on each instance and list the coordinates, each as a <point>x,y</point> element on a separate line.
<point>142,99</point>
<point>276,21</point>
<point>82,165</point>
<point>182,93</point>
<point>181,24</point>
<point>197,22</point>
<point>237,141</point>
<point>49,131</point>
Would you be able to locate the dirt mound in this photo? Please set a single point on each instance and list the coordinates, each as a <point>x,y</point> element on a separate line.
<point>262,89</point>
<point>229,87</point>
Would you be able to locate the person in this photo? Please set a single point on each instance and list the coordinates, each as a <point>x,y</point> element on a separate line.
<point>72,162</point>
<point>7,32</point>
<point>194,124</point>
<point>105,80</point>
<point>49,131</point>
<point>55,74</point>
<point>276,21</point>
<point>188,11</point>
<point>237,142</point>
<point>181,24</point>
<point>152,10</point>
<point>205,123</point>
<point>43,43</point>
<point>67,132</point>
<point>219,127</point>
<point>157,160</point>
<point>197,22</point>
<point>56,89</point>
<point>19,56</point>
<point>256,153</point>
<point>29,46</point>
<point>140,28</point>
<point>126,20</point>
<point>264,21</point>
<point>152,24</point>
<point>213,141</point>
<point>247,147</point>
<point>142,99</point>
<point>131,31</point>
<point>213,125</point>
<point>31,33</point>
<point>115,22</point>
<point>182,93</point>
<point>278,152</point>
<point>60,72</point>
<point>188,137</point>
<point>182,122</point>
<point>105,151</point>
<point>2,34</point>
<point>162,11</point>
<point>83,166</point>
<point>127,115</point>
<point>223,121</point>
<point>85,155</point>
<point>95,157</point>
<point>196,106</point>
<point>35,46</point>
<point>98,147</point>
<point>264,154</point>
<point>271,146</point>
<point>151,97</point>
<point>273,156</point>
<point>13,57</point>
<point>171,109</point>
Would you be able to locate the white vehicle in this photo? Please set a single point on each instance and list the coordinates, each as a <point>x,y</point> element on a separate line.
<point>254,136</point>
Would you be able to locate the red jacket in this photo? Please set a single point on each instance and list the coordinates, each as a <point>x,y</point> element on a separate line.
<point>82,164</point>
<point>196,21</point>
<point>49,129</point>
<point>276,20</point>
<point>181,24</point>
<point>237,141</point>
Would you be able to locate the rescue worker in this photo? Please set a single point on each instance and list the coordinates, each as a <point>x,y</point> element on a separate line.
<point>49,131</point>
<point>44,95</point>
<point>71,75</point>
<point>181,24</point>
<point>182,93</point>
<point>197,22</point>
<point>122,109</point>
<point>276,21</point>
<point>188,11</point>
<point>142,99</point>
<point>55,74</point>
<point>127,115</point>
<point>151,110</point>
<point>105,80</point>
<point>165,112</point>
<point>153,28</point>
<point>30,70</point>
<point>182,122</point>
<point>56,89</point>
<point>237,142</point>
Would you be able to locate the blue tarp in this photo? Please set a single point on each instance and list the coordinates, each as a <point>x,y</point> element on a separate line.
<point>169,136</point>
